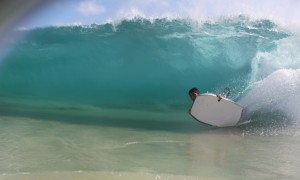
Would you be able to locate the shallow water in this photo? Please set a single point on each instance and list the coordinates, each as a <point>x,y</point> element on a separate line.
<point>33,148</point>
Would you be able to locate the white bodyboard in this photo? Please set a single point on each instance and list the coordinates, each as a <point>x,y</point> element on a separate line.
<point>207,109</point>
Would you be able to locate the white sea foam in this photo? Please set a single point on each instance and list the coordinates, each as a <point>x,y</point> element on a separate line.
<point>285,13</point>
<point>277,92</point>
<point>275,80</point>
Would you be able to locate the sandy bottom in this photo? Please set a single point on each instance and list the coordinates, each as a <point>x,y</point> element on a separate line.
<point>96,176</point>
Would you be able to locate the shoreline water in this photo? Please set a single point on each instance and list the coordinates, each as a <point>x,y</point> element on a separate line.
<point>35,148</point>
<point>80,175</point>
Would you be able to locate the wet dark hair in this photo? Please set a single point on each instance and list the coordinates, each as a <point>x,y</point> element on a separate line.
<point>194,89</point>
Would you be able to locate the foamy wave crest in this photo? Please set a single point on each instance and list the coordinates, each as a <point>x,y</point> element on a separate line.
<point>285,56</point>
<point>278,92</point>
<point>274,83</point>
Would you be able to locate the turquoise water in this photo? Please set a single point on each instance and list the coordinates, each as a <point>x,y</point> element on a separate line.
<point>136,64</point>
<point>110,101</point>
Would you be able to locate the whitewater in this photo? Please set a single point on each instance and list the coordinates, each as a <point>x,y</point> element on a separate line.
<point>110,100</point>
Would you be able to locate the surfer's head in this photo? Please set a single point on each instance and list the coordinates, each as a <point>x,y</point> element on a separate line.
<point>194,92</point>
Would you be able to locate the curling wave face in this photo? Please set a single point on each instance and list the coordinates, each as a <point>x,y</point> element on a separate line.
<point>140,64</point>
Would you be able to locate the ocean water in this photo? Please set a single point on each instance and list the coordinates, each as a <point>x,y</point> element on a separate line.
<point>110,101</point>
